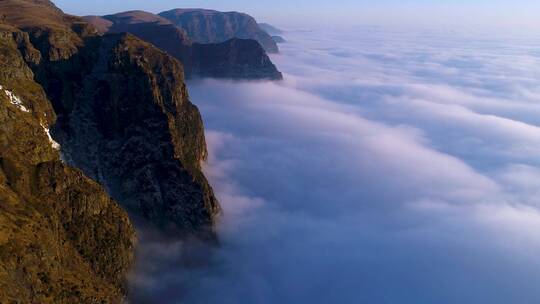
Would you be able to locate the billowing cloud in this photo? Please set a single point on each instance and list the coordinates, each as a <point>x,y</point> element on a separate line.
<point>387,168</point>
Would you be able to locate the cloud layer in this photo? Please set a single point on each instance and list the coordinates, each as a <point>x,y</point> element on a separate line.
<point>389,167</point>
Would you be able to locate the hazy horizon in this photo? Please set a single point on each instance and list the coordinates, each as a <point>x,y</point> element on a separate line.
<point>496,15</point>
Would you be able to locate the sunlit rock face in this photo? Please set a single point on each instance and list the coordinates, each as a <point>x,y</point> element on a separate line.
<point>62,238</point>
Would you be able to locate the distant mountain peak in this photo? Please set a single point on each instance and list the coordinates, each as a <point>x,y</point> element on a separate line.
<point>234,58</point>
<point>210,26</point>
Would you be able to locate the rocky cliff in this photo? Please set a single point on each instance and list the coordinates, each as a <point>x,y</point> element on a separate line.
<point>62,238</point>
<point>126,120</point>
<point>209,26</point>
<point>123,125</point>
<point>238,59</point>
<point>221,60</point>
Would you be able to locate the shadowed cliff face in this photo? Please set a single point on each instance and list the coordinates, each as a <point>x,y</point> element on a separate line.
<point>208,26</point>
<point>62,238</point>
<point>120,111</point>
<point>236,59</point>
<point>129,124</point>
<point>220,60</point>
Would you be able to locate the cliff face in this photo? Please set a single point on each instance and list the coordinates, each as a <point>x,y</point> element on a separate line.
<point>62,238</point>
<point>220,60</point>
<point>120,111</point>
<point>279,39</point>
<point>243,59</point>
<point>208,26</point>
<point>127,122</point>
<point>125,119</point>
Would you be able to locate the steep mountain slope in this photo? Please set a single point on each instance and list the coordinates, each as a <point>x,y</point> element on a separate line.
<point>119,109</point>
<point>209,26</point>
<point>125,119</point>
<point>127,122</point>
<point>62,238</point>
<point>243,59</point>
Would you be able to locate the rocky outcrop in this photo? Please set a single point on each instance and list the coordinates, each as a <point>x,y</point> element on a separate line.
<point>122,126</point>
<point>219,60</point>
<point>124,118</point>
<point>62,238</point>
<point>243,59</point>
<point>209,26</point>
<point>128,123</point>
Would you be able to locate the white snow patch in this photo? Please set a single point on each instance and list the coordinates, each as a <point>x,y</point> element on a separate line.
<point>54,144</point>
<point>14,99</point>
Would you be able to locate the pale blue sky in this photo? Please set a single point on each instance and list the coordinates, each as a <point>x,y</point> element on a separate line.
<point>297,12</point>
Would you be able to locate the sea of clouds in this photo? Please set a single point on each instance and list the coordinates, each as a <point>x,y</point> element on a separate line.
<point>388,167</point>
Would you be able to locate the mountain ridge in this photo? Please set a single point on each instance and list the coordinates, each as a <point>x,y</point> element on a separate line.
<point>210,26</point>
<point>244,60</point>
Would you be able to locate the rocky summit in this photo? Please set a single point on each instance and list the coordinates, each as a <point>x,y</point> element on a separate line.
<point>91,126</point>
